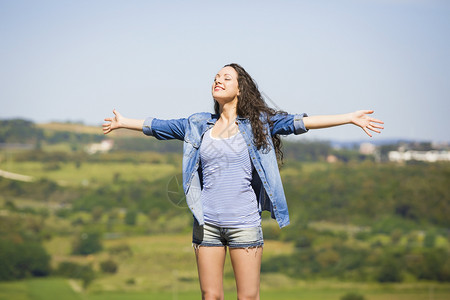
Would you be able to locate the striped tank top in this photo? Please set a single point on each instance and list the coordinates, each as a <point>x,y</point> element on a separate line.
<point>227,195</point>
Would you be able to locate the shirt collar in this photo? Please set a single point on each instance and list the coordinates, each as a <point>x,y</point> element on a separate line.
<point>215,117</point>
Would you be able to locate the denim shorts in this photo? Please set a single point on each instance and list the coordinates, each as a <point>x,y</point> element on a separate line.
<point>213,236</point>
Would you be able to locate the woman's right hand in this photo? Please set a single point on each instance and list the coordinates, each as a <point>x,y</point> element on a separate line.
<point>113,123</point>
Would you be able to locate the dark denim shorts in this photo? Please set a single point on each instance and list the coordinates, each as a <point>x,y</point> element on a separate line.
<point>213,236</point>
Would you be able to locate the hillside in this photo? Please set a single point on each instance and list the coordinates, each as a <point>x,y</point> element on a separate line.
<point>355,220</point>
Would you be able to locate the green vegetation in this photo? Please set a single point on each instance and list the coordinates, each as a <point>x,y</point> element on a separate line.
<point>87,242</point>
<point>22,259</point>
<point>352,296</point>
<point>115,225</point>
<point>59,288</point>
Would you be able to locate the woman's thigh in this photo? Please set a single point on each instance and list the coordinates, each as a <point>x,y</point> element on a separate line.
<point>247,268</point>
<point>210,263</point>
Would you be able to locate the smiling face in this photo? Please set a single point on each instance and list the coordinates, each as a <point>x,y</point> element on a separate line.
<point>225,87</point>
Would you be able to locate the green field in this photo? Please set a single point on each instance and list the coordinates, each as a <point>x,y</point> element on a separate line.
<point>375,228</point>
<point>163,267</point>
<point>56,288</point>
<point>88,173</point>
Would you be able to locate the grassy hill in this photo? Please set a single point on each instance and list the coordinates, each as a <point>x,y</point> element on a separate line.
<point>381,229</point>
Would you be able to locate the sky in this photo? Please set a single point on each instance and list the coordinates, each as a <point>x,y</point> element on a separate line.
<point>78,60</point>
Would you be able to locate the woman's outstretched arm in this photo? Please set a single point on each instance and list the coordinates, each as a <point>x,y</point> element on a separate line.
<point>120,121</point>
<point>359,118</point>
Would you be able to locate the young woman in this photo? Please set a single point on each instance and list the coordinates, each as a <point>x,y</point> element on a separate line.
<point>230,173</point>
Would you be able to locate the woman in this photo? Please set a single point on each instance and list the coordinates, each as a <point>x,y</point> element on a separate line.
<point>230,173</point>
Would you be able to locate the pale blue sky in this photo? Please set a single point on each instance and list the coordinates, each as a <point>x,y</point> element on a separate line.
<point>77,60</point>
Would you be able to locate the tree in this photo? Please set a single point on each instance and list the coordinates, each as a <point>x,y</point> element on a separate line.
<point>130,217</point>
<point>108,266</point>
<point>390,270</point>
<point>430,240</point>
<point>20,260</point>
<point>74,270</point>
<point>87,242</point>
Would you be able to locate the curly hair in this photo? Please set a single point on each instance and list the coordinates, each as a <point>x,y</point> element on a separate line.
<point>252,106</point>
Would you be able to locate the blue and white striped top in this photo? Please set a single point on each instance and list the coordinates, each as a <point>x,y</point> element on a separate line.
<point>227,195</point>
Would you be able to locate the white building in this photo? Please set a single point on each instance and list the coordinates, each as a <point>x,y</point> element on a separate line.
<point>428,156</point>
<point>102,147</point>
<point>367,148</point>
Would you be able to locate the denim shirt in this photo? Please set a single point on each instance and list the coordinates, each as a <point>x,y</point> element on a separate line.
<point>266,180</point>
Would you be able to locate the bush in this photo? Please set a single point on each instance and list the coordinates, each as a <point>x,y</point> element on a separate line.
<point>276,264</point>
<point>363,235</point>
<point>430,264</point>
<point>96,213</point>
<point>121,250</point>
<point>304,238</point>
<point>87,242</point>
<point>108,266</point>
<point>74,270</point>
<point>22,260</point>
<point>303,242</point>
<point>272,233</point>
<point>390,270</point>
<point>352,296</point>
<point>130,217</point>
<point>430,240</point>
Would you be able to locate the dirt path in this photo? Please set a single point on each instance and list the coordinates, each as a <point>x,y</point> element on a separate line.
<point>75,286</point>
<point>15,176</point>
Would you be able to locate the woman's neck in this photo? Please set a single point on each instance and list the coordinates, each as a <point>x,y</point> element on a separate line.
<point>228,112</point>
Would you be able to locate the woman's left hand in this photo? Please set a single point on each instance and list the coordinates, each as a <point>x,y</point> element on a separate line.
<point>360,118</point>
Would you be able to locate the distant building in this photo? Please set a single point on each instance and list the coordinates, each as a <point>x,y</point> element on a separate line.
<point>367,148</point>
<point>102,147</point>
<point>428,156</point>
<point>332,159</point>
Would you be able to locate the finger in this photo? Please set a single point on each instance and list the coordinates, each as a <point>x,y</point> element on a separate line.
<point>373,129</point>
<point>367,131</point>
<point>368,112</point>
<point>377,126</point>
<point>106,124</point>
<point>108,119</point>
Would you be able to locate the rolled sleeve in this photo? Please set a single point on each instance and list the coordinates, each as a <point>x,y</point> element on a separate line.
<point>147,127</point>
<point>299,126</point>
<point>165,129</point>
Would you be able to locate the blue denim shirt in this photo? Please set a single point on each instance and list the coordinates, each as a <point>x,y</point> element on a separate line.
<point>266,180</point>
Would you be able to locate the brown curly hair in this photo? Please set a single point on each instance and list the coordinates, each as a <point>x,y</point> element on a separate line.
<point>252,106</point>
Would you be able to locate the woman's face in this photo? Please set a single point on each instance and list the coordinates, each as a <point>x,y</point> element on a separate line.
<point>225,87</point>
